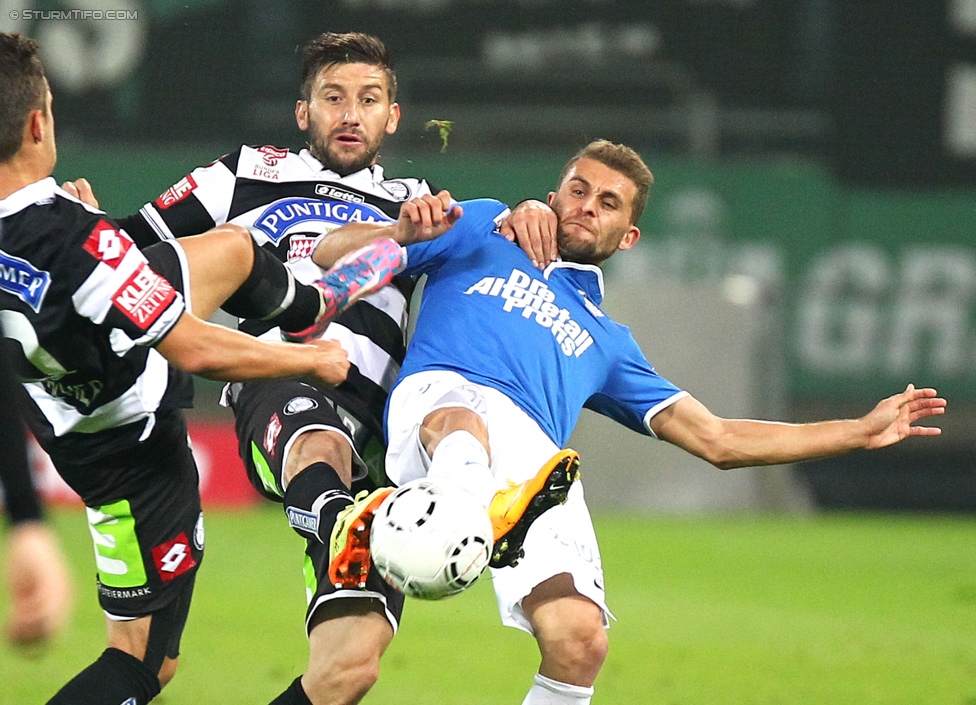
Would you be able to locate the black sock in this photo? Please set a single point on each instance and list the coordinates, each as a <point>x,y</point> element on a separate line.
<point>313,499</point>
<point>271,293</point>
<point>295,695</point>
<point>115,678</point>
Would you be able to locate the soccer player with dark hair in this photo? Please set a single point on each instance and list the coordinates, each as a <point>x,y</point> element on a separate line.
<point>505,357</point>
<point>310,447</point>
<point>91,322</point>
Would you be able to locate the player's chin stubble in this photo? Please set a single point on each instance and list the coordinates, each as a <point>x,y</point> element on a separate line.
<point>332,159</point>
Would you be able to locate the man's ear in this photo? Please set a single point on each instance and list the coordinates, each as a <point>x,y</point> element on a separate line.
<point>394,119</point>
<point>34,129</point>
<point>301,115</point>
<point>552,195</point>
<point>630,238</point>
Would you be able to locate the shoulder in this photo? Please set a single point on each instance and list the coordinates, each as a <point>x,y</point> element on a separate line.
<point>484,210</point>
<point>265,162</point>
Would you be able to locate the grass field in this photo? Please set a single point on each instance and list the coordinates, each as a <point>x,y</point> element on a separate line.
<point>839,609</point>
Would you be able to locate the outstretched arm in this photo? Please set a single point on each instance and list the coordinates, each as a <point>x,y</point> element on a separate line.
<point>216,352</point>
<point>422,218</point>
<point>735,443</point>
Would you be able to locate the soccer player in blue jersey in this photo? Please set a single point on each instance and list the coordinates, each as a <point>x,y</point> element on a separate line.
<point>504,358</point>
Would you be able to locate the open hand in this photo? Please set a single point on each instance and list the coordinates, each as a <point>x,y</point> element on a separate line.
<point>893,419</point>
<point>534,226</point>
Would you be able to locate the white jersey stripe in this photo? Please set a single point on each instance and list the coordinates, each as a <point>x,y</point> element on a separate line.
<point>93,299</point>
<point>137,403</point>
<point>373,362</point>
<point>151,216</point>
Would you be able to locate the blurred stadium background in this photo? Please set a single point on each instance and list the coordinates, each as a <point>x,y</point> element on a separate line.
<point>809,247</point>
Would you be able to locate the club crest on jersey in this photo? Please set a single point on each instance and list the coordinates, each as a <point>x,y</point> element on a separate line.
<point>282,216</point>
<point>177,192</point>
<point>20,278</point>
<point>300,246</point>
<point>299,405</point>
<point>399,190</point>
<point>198,533</point>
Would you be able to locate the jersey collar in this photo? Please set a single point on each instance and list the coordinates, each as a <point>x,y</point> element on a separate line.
<point>373,174</point>
<point>588,277</point>
<point>29,195</point>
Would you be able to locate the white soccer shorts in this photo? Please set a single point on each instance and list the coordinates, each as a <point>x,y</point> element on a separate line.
<point>560,541</point>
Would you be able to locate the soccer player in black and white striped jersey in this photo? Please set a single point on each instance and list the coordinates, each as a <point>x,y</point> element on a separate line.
<point>303,445</point>
<point>91,322</point>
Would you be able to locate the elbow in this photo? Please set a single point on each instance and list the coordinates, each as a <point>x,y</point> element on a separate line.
<point>721,456</point>
<point>195,364</point>
<point>725,464</point>
<point>195,361</point>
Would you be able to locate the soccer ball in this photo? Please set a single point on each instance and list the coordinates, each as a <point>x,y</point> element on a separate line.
<point>430,539</point>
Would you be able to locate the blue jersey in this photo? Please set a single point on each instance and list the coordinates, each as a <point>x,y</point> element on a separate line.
<point>537,336</point>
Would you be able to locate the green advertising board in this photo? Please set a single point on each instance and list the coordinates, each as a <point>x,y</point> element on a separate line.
<point>871,290</point>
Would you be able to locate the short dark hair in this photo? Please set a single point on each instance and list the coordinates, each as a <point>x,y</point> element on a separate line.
<point>344,48</point>
<point>23,87</point>
<point>623,159</point>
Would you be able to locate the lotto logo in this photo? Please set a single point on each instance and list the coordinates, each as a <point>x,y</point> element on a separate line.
<point>107,244</point>
<point>173,558</point>
<point>144,296</point>
<point>177,192</point>
<point>271,434</point>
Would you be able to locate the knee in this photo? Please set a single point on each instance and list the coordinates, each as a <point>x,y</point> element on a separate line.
<point>319,447</point>
<point>167,671</point>
<point>348,679</point>
<point>577,648</point>
<point>235,238</point>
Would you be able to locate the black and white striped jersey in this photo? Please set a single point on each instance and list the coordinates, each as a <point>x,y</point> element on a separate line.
<point>80,308</point>
<point>289,202</point>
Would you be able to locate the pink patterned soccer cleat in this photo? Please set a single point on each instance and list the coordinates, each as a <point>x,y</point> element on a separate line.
<point>353,276</point>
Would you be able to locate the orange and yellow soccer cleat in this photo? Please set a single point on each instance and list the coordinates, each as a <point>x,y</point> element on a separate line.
<point>349,559</point>
<point>513,509</point>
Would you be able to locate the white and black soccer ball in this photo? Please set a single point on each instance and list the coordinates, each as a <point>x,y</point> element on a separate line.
<point>430,539</point>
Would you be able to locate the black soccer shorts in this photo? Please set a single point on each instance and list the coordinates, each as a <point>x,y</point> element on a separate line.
<point>143,505</point>
<point>269,416</point>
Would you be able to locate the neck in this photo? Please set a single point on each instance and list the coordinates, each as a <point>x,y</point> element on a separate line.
<point>18,172</point>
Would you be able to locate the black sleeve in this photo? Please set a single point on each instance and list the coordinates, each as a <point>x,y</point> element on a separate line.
<point>20,497</point>
<point>139,230</point>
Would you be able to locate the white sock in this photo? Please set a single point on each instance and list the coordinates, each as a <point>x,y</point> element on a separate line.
<point>546,691</point>
<point>460,458</point>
